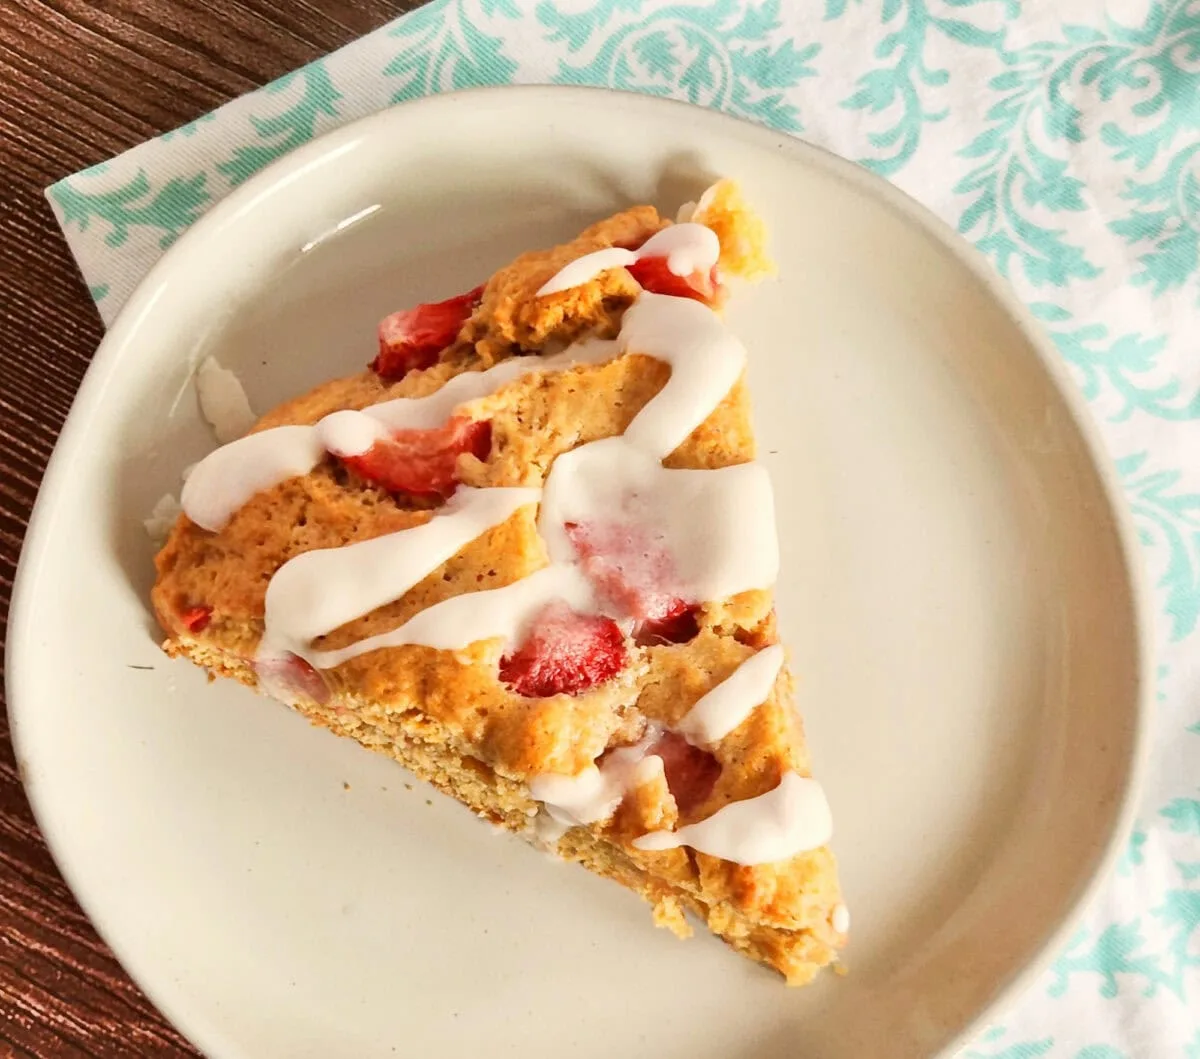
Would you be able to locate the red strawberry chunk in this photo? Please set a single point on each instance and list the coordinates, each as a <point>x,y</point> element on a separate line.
<point>423,462</point>
<point>289,677</point>
<point>679,625</point>
<point>690,771</point>
<point>413,338</point>
<point>629,565</point>
<point>565,653</point>
<point>654,275</point>
<point>196,619</point>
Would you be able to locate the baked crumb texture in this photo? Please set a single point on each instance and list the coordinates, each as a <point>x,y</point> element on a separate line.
<point>446,716</point>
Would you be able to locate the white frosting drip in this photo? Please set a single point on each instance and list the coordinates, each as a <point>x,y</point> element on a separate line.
<point>841,919</point>
<point>594,794</point>
<point>498,613</point>
<point>687,248</point>
<point>319,591</point>
<point>792,818</point>
<point>706,359</point>
<point>716,551</point>
<point>227,479</point>
<point>424,413</point>
<point>585,269</point>
<point>349,433</point>
<point>546,829</point>
<point>728,704</point>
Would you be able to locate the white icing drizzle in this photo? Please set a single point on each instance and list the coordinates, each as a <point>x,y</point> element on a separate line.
<point>841,919</point>
<point>790,819</point>
<point>728,704</point>
<point>547,830</point>
<point>349,433</point>
<point>496,613</point>
<point>716,550</point>
<point>586,268</point>
<point>227,478</point>
<point>687,248</point>
<point>706,359</point>
<point>422,413</point>
<point>320,590</point>
<point>594,794</point>
<point>584,798</point>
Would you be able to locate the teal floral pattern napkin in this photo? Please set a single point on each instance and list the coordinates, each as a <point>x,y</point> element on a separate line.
<point>1061,137</point>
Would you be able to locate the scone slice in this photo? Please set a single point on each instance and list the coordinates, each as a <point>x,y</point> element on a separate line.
<point>528,553</point>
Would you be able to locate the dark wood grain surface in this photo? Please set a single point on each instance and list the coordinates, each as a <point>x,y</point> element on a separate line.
<point>80,81</point>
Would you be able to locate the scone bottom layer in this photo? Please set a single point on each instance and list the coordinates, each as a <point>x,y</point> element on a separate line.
<point>528,553</point>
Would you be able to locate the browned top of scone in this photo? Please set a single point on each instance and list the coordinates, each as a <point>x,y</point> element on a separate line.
<point>533,419</point>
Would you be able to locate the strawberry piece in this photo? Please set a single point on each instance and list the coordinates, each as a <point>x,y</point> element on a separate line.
<point>630,567</point>
<point>690,771</point>
<point>565,653</point>
<point>423,462</point>
<point>654,275</point>
<point>196,619</point>
<point>412,338</point>
<point>288,677</point>
<point>679,625</point>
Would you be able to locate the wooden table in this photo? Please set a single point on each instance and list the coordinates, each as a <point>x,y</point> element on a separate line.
<point>80,81</point>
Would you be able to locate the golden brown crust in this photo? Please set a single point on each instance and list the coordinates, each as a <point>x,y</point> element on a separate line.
<point>511,320</point>
<point>446,714</point>
<point>740,231</point>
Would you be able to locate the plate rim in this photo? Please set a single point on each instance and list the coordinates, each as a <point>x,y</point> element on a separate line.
<point>124,329</point>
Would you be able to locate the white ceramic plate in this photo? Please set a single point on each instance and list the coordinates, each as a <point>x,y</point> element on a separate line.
<point>958,592</point>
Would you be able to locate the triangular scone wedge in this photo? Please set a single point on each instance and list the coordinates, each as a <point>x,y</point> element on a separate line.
<point>528,554</point>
